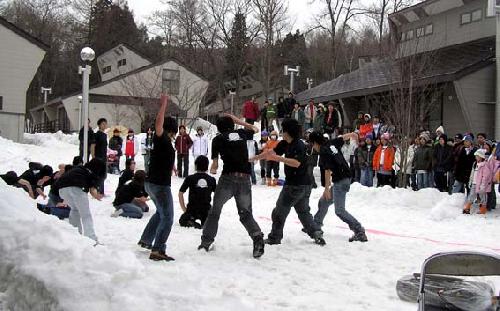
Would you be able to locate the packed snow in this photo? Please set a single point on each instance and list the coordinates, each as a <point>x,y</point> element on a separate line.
<point>46,265</point>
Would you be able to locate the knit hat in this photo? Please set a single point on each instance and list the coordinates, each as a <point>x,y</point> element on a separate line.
<point>440,129</point>
<point>369,136</point>
<point>321,105</point>
<point>459,136</point>
<point>367,115</point>
<point>480,153</point>
<point>489,143</point>
<point>264,133</point>
<point>425,136</point>
<point>468,138</point>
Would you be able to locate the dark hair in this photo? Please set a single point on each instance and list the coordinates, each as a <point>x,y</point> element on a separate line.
<point>140,176</point>
<point>317,137</point>
<point>182,126</point>
<point>170,125</point>
<point>68,167</point>
<point>101,120</point>
<point>292,127</point>
<point>481,134</point>
<point>77,161</point>
<point>128,162</point>
<point>46,171</point>
<point>201,163</point>
<point>98,167</point>
<point>225,124</point>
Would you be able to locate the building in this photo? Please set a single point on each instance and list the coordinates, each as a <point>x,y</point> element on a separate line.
<point>127,94</point>
<point>20,56</point>
<point>458,36</point>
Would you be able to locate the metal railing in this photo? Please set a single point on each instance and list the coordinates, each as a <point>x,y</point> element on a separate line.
<point>50,127</point>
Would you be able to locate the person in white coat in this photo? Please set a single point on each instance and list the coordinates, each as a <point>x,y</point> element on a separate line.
<point>200,143</point>
<point>399,163</point>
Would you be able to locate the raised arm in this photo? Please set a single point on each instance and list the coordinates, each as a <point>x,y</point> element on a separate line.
<point>242,123</point>
<point>348,136</point>
<point>160,116</point>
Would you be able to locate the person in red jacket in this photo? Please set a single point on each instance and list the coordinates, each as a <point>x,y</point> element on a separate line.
<point>251,111</point>
<point>131,145</point>
<point>383,160</point>
<point>182,145</point>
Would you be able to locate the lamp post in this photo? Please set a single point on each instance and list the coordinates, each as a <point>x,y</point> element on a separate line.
<point>309,82</point>
<point>46,90</point>
<point>232,93</point>
<point>292,72</point>
<point>87,55</point>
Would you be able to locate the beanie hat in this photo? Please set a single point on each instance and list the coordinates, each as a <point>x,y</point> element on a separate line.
<point>264,133</point>
<point>480,153</point>
<point>468,138</point>
<point>367,115</point>
<point>459,136</point>
<point>440,129</point>
<point>369,136</point>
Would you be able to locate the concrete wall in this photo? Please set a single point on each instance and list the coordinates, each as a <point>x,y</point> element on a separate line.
<point>19,60</point>
<point>453,115</point>
<point>112,57</point>
<point>447,29</point>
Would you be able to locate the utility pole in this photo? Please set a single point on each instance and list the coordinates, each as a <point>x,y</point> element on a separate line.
<point>87,55</point>
<point>292,72</point>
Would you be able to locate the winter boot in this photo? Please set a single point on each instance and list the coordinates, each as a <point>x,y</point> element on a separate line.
<point>159,255</point>
<point>482,209</point>
<point>467,207</point>
<point>269,182</point>
<point>359,236</point>
<point>258,245</point>
<point>318,238</point>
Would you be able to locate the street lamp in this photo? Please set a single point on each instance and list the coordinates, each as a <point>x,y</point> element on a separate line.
<point>291,71</point>
<point>232,93</point>
<point>87,55</point>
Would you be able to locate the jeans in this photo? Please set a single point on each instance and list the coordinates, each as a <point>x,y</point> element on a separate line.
<point>231,186</point>
<point>80,215</point>
<point>146,161</point>
<point>441,181</point>
<point>130,210</point>
<point>312,161</point>
<point>366,178</point>
<point>252,174</point>
<point>263,165</point>
<point>182,159</point>
<point>273,167</point>
<point>339,191</point>
<point>160,224</point>
<point>423,180</point>
<point>298,197</point>
<point>458,187</point>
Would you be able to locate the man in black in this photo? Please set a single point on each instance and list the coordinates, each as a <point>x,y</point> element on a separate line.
<point>38,177</point>
<point>297,189</point>
<point>336,171</point>
<point>200,185</point>
<point>158,185</point>
<point>91,142</point>
<point>289,104</point>
<point>101,147</point>
<point>231,145</point>
<point>130,201</point>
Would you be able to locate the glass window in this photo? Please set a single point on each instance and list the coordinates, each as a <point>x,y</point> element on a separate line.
<point>403,36</point>
<point>466,18</point>
<point>409,34</point>
<point>170,81</point>
<point>420,32</point>
<point>477,15</point>
<point>106,69</point>
<point>122,62</point>
<point>428,30</point>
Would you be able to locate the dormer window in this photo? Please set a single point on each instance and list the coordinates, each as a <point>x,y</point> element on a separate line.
<point>465,19</point>
<point>409,34</point>
<point>428,30</point>
<point>106,69</point>
<point>477,15</point>
<point>122,62</point>
<point>420,32</point>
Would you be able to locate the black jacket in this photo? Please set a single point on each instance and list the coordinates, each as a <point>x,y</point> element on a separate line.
<point>423,158</point>
<point>79,177</point>
<point>443,158</point>
<point>116,143</point>
<point>464,163</point>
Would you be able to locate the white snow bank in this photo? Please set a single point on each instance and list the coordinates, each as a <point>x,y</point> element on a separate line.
<point>50,139</point>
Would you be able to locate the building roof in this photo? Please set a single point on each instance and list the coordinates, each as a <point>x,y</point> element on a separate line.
<point>22,33</point>
<point>129,47</point>
<point>448,64</point>
<point>424,9</point>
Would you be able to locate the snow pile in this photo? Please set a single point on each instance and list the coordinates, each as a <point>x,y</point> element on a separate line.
<point>49,140</point>
<point>448,208</point>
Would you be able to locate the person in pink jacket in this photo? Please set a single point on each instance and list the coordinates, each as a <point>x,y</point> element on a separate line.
<point>480,179</point>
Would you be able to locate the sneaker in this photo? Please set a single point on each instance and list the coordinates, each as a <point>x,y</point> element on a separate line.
<point>318,238</point>
<point>144,245</point>
<point>117,213</point>
<point>359,236</point>
<point>158,256</point>
<point>258,246</point>
<point>205,246</point>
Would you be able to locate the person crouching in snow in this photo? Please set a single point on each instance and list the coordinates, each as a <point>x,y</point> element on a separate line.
<point>480,183</point>
<point>337,172</point>
<point>73,188</point>
<point>201,186</point>
<point>130,200</point>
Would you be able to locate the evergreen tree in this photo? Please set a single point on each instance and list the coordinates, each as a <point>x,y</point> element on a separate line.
<point>237,50</point>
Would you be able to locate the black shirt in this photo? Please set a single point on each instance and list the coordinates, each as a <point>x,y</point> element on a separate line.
<point>128,192</point>
<point>294,176</point>
<point>161,161</point>
<point>90,141</point>
<point>200,186</point>
<point>126,175</point>
<point>232,148</point>
<point>331,158</point>
<point>101,145</point>
<point>79,177</point>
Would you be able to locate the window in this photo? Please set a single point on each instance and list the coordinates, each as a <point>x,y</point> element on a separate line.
<point>403,36</point>
<point>106,69</point>
<point>122,62</point>
<point>409,35</point>
<point>477,15</point>
<point>170,81</point>
<point>420,32</point>
<point>428,30</point>
<point>1,102</point>
<point>466,18</point>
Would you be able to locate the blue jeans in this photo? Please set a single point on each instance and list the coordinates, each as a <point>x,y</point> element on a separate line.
<point>298,197</point>
<point>423,180</point>
<point>160,224</point>
<point>254,179</point>
<point>241,189</point>
<point>130,210</point>
<point>366,178</point>
<point>339,191</point>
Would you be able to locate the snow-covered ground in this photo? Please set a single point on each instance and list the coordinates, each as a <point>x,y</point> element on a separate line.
<point>46,265</point>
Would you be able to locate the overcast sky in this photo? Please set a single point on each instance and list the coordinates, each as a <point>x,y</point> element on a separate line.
<point>300,11</point>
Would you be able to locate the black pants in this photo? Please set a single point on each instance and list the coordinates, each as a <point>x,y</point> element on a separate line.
<point>182,159</point>
<point>441,181</point>
<point>384,180</point>
<point>192,214</point>
<point>273,167</point>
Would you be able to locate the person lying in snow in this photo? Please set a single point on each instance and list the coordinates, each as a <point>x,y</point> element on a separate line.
<point>38,176</point>
<point>131,198</point>
<point>201,186</point>
<point>56,205</point>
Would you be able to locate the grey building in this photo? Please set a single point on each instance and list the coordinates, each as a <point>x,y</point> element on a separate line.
<point>457,40</point>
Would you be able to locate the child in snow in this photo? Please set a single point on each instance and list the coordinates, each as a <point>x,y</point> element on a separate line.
<point>480,183</point>
<point>272,166</point>
<point>182,145</point>
<point>201,186</point>
<point>73,188</point>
